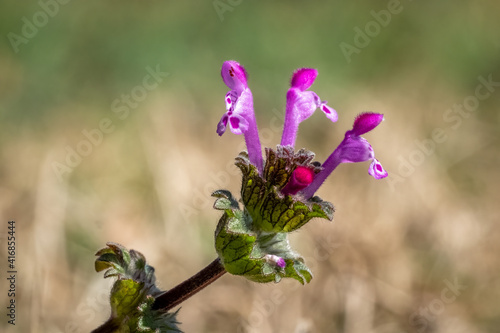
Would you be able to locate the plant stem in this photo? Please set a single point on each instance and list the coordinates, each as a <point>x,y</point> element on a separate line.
<point>191,286</point>
<point>178,294</point>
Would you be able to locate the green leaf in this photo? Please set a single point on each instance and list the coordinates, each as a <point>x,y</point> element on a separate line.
<point>225,200</point>
<point>243,251</point>
<point>125,264</point>
<point>233,244</point>
<point>134,291</point>
<point>156,321</point>
<point>278,244</point>
<point>126,295</point>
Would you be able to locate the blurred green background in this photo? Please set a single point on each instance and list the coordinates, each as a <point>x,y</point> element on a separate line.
<point>416,252</point>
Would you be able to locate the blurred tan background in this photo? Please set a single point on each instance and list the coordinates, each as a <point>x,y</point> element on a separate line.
<point>416,252</point>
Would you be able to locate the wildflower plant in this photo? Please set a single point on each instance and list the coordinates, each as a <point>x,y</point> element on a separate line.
<point>251,239</point>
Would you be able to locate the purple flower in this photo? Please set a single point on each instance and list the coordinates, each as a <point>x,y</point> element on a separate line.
<point>240,114</point>
<point>275,260</point>
<point>301,177</point>
<point>352,149</point>
<point>301,104</point>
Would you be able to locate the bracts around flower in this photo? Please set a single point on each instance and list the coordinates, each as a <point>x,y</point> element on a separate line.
<point>278,194</point>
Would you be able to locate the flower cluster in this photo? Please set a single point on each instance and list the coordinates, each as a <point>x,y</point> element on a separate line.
<point>300,105</point>
<point>278,193</point>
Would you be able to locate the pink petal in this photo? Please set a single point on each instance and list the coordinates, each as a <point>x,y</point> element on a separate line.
<point>281,263</point>
<point>306,102</point>
<point>301,177</point>
<point>329,112</point>
<point>303,78</point>
<point>238,124</point>
<point>376,170</point>
<point>275,260</point>
<point>234,75</point>
<point>355,149</point>
<point>244,104</point>
<point>365,122</point>
<point>229,101</point>
<point>221,126</point>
